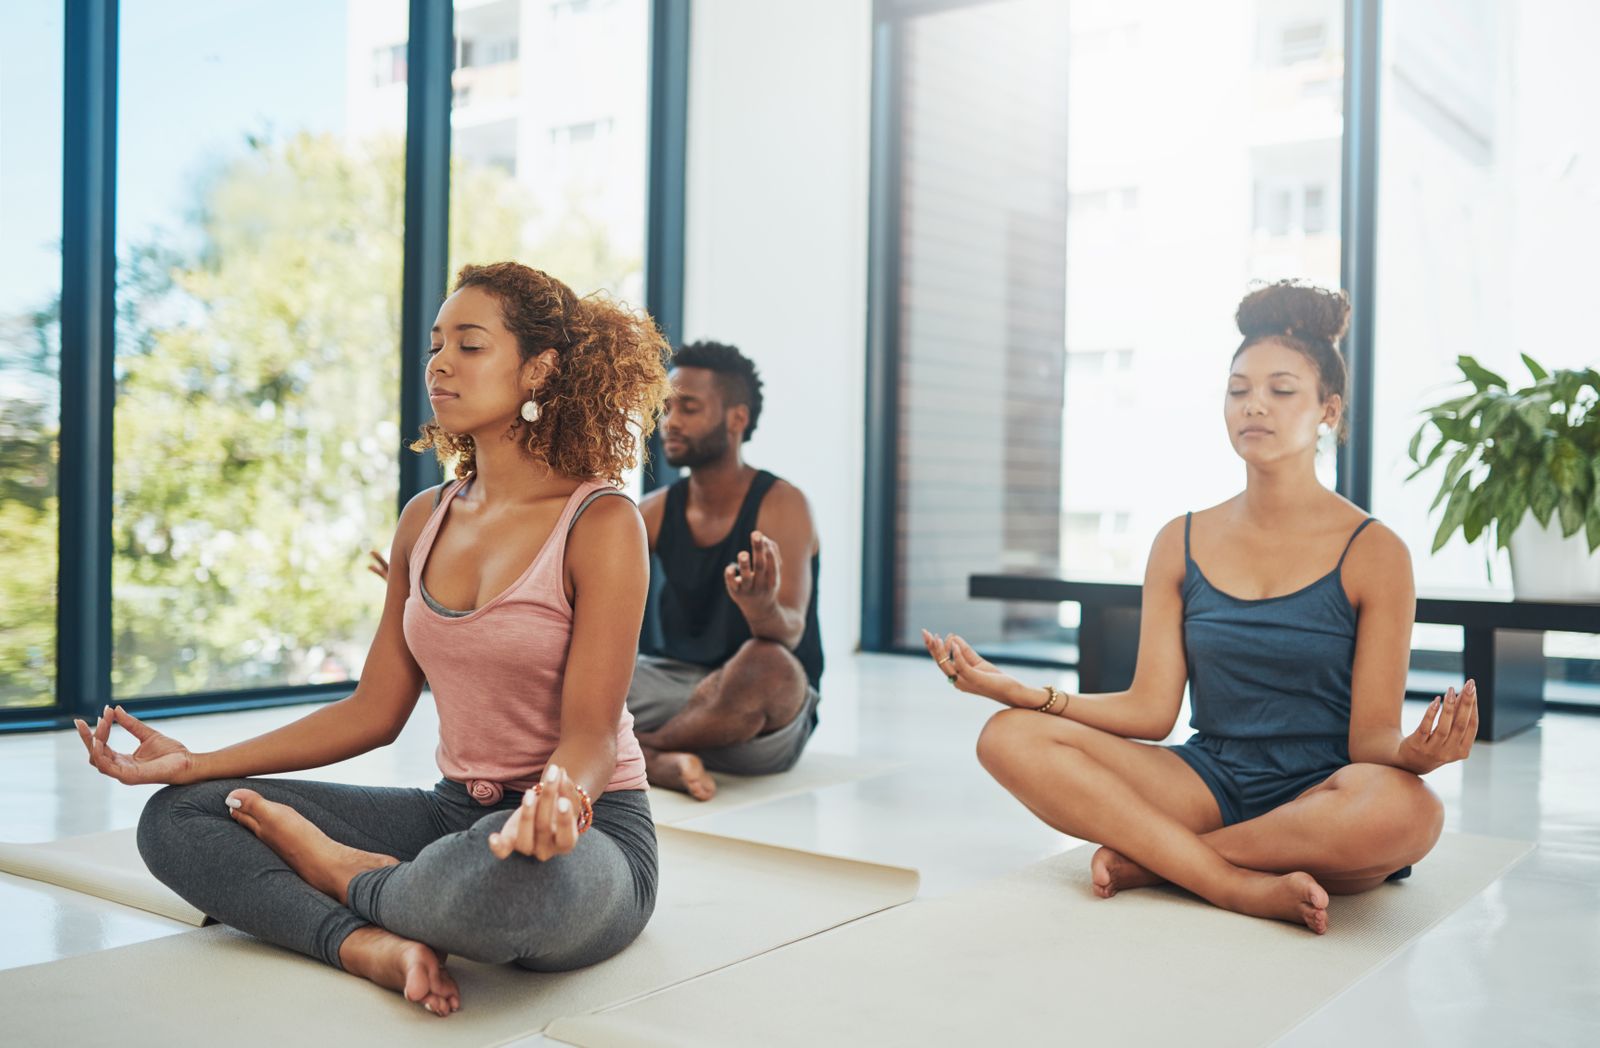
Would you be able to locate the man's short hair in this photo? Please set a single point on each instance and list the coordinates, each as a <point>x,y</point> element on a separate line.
<point>736,375</point>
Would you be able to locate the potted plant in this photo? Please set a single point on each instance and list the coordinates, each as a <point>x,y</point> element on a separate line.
<point>1520,453</point>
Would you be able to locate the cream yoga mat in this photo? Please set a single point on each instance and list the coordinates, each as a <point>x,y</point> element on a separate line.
<point>721,901</point>
<point>814,771</point>
<point>106,865</point>
<point>1035,957</point>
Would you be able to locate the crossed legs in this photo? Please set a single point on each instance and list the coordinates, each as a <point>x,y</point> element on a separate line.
<point>1157,821</point>
<point>761,689</point>
<point>384,883</point>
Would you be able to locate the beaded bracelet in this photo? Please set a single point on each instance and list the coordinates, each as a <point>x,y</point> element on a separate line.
<point>585,811</point>
<point>1050,701</point>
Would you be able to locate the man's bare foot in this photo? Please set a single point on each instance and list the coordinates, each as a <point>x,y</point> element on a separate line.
<point>1293,897</point>
<point>321,862</point>
<point>683,772</point>
<point>415,969</point>
<point>1114,872</point>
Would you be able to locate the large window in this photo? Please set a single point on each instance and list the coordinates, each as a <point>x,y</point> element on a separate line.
<point>1204,152</point>
<point>1086,190</point>
<point>31,47</point>
<point>259,225</point>
<point>982,155</point>
<point>548,137</point>
<point>1489,211</point>
<point>548,134</point>
<point>265,255</point>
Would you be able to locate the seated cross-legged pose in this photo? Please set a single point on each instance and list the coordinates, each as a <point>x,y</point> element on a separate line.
<point>1288,612</point>
<point>731,655</point>
<point>519,593</point>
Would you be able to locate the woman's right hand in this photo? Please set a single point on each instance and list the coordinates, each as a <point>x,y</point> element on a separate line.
<point>968,671</point>
<point>377,564</point>
<point>158,758</point>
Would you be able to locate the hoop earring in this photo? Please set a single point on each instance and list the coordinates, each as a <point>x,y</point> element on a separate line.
<point>530,410</point>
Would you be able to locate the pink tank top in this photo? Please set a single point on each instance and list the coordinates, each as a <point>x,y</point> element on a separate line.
<point>496,673</point>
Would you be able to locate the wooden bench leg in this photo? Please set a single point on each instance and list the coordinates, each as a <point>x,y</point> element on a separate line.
<point>1509,668</point>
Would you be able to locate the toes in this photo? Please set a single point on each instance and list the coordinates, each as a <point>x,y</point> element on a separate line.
<point>444,989</point>
<point>246,807</point>
<point>417,988</point>
<point>243,801</point>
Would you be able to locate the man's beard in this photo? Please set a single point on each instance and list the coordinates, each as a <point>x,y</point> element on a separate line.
<point>702,452</point>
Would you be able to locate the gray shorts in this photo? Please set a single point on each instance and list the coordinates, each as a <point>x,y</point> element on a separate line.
<point>662,687</point>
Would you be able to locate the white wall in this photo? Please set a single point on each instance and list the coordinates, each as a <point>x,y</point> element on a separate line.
<point>777,247</point>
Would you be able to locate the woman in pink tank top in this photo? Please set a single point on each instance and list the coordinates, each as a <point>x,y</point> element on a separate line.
<point>517,596</point>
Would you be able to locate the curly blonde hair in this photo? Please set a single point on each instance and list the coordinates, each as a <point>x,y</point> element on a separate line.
<point>599,404</point>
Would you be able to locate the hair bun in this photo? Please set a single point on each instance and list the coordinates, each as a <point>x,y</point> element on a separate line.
<point>1289,307</point>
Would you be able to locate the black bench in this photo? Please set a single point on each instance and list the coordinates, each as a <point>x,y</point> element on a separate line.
<point>1502,642</point>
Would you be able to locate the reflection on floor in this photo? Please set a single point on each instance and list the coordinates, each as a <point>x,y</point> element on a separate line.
<point>1519,965</point>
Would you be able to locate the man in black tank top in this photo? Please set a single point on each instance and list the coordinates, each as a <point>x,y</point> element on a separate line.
<point>730,655</point>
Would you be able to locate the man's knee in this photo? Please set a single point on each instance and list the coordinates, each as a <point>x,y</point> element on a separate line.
<point>765,657</point>
<point>765,678</point>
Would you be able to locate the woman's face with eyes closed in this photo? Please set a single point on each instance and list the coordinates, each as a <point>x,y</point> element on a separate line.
<point>1274,403</point>
<point>477,379</point>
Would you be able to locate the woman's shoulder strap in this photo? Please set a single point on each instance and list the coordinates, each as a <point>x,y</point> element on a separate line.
<point>1351,541</point>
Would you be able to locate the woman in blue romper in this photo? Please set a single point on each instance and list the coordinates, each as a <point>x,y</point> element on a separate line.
<point>1288,612</point>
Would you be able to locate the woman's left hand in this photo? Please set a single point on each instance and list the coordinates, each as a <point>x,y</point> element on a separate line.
<point>545,824</point>
<point>1448,728</point>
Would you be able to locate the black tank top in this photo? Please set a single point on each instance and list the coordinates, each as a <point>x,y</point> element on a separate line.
<point>691,617</point>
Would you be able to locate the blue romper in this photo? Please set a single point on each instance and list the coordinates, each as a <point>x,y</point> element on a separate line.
<point>1269,685</point>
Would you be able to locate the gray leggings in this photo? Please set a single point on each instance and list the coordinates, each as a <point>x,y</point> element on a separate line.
<point>448,891</point>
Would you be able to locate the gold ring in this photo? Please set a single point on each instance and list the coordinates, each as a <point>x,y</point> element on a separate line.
<point>948,658</point>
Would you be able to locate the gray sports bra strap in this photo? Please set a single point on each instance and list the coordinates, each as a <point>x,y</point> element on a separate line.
<point>1188,518</point>
<point>1347,545</point>
<point>589,500</point>
<point>438,492</point>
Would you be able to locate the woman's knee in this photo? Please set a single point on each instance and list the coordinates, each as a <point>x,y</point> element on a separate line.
<point>1005,739</point>
<point>161,821</point>
<point>1397,804</point>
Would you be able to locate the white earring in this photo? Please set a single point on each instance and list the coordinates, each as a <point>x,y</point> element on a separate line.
<point>1323,429</point>
<point>530,410</point>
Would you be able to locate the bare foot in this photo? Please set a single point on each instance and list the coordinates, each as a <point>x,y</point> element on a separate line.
<point>1114,872</point>
<point>683,772</point>
<point>413,968</point>
<point>321,862</point>
<point>1293,897</point>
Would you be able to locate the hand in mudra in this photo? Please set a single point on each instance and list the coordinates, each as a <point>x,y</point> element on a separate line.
<point>377,565</point>
<point>158,758</point>
<point>752,580</point>
<point>1448,728</point>
<point>968,671</point>
<point>545,824</point>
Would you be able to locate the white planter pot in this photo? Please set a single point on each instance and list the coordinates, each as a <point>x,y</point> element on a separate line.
<point>1546,566</point>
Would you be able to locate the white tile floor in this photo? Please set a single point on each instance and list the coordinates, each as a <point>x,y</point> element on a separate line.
<point>1519,965</point>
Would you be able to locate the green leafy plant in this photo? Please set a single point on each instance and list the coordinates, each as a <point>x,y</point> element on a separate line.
<point>1514,450</point>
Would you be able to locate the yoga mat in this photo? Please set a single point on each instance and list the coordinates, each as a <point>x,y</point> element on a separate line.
<point>814,771</point>
<point>106,865</point>
<point>721,901</point>
<point>1035,957</point>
